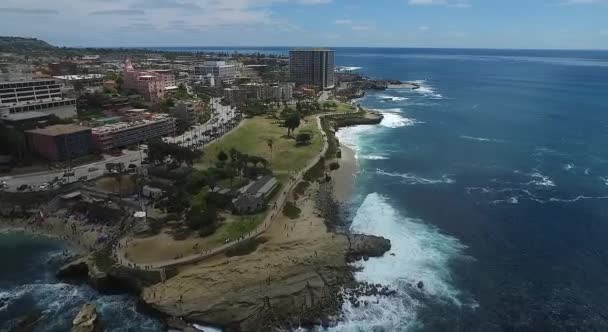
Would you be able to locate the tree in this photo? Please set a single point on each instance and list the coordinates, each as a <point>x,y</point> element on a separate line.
<point>270,144</point>
<point>222,156</point>
<point>303,138</point>
<point>292,122</point>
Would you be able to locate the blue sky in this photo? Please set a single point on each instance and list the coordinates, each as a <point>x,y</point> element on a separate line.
<point>373,23</point>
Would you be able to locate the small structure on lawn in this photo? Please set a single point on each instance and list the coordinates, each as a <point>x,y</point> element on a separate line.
<point>151,192</point>
<point>253,197</point>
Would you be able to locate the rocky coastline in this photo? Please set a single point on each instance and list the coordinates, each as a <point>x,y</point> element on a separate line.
<point>297,289</point>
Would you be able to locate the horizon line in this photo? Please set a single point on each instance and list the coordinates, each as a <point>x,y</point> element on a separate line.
<point>338,47</point>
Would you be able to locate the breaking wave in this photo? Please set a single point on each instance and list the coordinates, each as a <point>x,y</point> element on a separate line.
<point>427,90</point>
<point>418,252</point>
<point>410,178</point>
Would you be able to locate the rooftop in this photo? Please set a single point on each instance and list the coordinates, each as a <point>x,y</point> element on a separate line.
<point>58,130</point>
<point>24,116</point>
<point>36,102</point>
<point>79,77</point>
<point>310,49</point>
<point>120,126</point>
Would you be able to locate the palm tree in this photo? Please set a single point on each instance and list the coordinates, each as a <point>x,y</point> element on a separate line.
<point>270,144</point>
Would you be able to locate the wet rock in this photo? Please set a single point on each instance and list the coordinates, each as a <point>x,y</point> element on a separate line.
<point>86,320</point>
<point>420,285</point>
<point>361,246</point>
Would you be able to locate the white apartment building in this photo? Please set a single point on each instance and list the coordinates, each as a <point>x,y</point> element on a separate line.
<point>35,95</point>
<point>123,134</point>
<point>220,70</point>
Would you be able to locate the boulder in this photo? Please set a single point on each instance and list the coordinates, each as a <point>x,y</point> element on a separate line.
<point>86,320</point>
<point>365,246</point>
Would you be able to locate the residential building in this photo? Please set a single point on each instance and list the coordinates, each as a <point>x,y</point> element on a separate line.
<point>253,197</point>
<point>60,142</point>
<point>220,70</point>
<point>86,81</point>
<point>151,85</point>
<point>117,135</point>
<point>235,96</point>
<point>275,92</point>
<point>42,95</point>
<point>151,192</point>
<point>313,67</point>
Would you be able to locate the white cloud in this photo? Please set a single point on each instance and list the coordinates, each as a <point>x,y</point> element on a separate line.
<point>343,21</point>
<point>424,28</point>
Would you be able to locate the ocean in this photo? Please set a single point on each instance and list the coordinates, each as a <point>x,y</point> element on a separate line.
<point>491,181</point>
<point>29,288</point>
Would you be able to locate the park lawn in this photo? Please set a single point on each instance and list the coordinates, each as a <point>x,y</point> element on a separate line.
<point>235,227</point>
<point>252,137</point>
<point>341,107</point>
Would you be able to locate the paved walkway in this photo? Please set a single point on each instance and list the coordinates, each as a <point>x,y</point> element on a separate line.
<point>270,217</point>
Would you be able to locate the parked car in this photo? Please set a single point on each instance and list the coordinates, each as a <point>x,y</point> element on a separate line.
<point>83,178</point>
<point>66,174</point>
<point>93,169</point>
<point>44,186</point>
<point>22,187</point>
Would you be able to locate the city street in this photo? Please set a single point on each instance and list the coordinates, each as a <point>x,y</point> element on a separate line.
<point>217,125</point>
<point>202,134</point>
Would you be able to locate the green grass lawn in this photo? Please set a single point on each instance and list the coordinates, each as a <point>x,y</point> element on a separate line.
<point>236,227</point>
<point>252,137</point>
<point>340,107</point>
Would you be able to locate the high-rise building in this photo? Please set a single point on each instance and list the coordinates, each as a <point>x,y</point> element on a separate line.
<point>35,95</point>
<point>312,66</point>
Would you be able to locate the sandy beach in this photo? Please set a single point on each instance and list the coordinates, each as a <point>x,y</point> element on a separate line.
<point>344,178</point>
<point>80,235</point>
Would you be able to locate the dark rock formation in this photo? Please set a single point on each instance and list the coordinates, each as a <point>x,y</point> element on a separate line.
<point>361,246</point>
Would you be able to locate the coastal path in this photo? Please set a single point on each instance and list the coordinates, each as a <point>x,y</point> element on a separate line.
<point>275,211</point>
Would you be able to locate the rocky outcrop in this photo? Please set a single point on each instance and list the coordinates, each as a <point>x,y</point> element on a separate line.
<point>110,278</point>
<point>306,298</point>
<point>365,246</point>
<point>86,320</point>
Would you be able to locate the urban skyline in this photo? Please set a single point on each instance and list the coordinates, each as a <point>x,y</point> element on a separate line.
<point>554,24</point>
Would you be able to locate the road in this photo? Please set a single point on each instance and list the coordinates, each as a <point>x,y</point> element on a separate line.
<point>37,179</point>
<point>222,120</point>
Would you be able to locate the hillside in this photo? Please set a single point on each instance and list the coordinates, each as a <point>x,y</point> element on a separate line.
<point>24,45</point>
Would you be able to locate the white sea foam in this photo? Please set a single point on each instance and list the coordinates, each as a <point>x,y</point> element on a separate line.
<point>374,157</point>
<point>351,136</point>
<point>393,120</point>
<point>481,139</point>
<point>427,90</point>
<point>391,98</point>
<point>568,167</point>
<point>540,180</point>
<point>421,253</point>
<point>409,178</point>
<point>605,179</point>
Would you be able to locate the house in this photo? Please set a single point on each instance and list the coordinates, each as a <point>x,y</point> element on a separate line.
<point>152,192</point>
<point>253,197</point>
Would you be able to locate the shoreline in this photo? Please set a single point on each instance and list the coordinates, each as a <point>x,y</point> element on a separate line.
<point>344,178</point>
<point>297,263</point>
